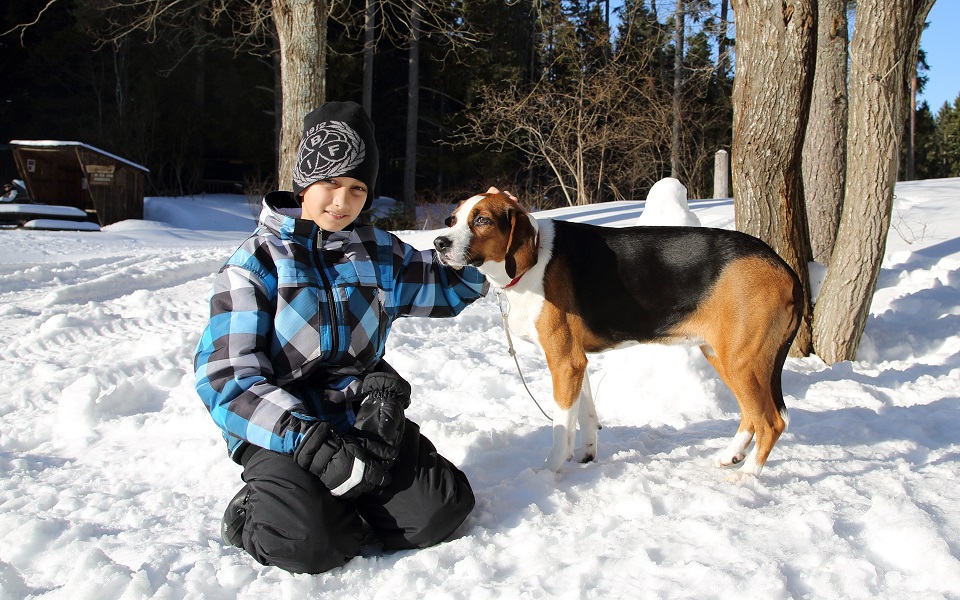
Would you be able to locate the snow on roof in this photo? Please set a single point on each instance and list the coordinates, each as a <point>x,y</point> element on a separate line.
<point>56,143</point>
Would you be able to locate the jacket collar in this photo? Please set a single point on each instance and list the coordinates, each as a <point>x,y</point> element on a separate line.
<point>281,216</point>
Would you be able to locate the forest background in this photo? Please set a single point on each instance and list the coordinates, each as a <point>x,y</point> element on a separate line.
<point>198,101</point>
<point>564,101</point>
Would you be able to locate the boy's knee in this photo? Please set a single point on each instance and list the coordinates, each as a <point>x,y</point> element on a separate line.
<point>439,524</point>
<point>302,548</point>
<point>445,523</point>
<point>310,561</point>
<point>292,521</point>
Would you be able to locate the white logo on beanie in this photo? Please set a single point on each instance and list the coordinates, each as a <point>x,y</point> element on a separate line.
<point>328,149</point>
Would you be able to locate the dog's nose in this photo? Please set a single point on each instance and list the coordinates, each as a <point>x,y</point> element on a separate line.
<point>442,243</point>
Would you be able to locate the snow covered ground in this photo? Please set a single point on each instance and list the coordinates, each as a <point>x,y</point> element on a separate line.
<point>113,479</point>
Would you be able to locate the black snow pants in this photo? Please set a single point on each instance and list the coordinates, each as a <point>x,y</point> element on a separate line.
<point>293,522</point>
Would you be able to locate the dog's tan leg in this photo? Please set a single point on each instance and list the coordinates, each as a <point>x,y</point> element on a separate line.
<point>747,368</point>
<point>589,425</point>
<point>567,374</point>
<point>747,333</point>
<point>735,452</point>
<point>768,424</point>
<point>756,382</point>
<point>568,365</point>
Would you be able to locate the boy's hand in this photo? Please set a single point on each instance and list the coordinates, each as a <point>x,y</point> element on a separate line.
<point>381,412</point>
<point>349,466</point>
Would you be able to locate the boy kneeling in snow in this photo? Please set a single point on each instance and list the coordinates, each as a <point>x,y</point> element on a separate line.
<point>291,366</point>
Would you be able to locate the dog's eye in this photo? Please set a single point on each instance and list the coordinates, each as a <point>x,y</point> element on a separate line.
<point>449,221</point>
<point>482,220</point>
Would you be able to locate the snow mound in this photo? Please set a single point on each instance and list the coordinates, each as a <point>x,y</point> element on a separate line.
<point>667,205</point>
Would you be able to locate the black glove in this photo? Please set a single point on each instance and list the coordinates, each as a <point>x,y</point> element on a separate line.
<point>349,466</point>
<point>381,413</point>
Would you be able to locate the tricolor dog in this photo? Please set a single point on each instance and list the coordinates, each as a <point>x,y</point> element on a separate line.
<point>575,289</point>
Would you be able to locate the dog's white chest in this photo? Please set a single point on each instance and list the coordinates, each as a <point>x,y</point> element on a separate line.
<point>524,309</point>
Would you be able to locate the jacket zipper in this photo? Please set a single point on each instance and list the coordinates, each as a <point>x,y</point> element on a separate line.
<point>320,266</point>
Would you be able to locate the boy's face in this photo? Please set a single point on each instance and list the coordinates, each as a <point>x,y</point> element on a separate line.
<point>334,203</point>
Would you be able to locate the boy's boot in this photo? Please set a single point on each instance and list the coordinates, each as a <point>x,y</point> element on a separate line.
<point>231,527</point>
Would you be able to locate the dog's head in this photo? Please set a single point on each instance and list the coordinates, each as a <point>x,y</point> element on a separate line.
<point>490,231</point>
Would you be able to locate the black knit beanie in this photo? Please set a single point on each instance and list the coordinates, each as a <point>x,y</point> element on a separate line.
<point>337,141</point>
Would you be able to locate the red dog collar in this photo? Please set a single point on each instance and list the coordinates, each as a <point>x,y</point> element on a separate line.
<point>514,281</point>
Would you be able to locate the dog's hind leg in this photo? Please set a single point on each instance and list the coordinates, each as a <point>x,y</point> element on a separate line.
<point>748,323</point>
<point>589,425</point>
<point>735,451</point>
<point>761,403</point>
<point>747,372</point>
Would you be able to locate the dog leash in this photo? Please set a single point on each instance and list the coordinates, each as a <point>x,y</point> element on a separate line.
<point>502,302</point>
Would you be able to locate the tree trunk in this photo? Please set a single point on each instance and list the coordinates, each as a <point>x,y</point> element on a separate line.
<point>196,182</point>
<point>723,44</point>
<point>911,148</point>
<point>277,110</point>
<point>825,145</point>
<point>413,115</point>
<point>369,45</point>
<point>883,56</point>
<point>302,33</point>
<point>677,89</point>
<point>771,101</point>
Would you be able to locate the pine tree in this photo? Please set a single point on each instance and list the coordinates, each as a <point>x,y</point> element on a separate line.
<point>948,138</point>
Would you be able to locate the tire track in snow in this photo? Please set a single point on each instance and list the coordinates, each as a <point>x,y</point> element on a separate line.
<point>131,278</point>
<point>19,279</point>
<point>105,304</point>
<point>115,344</point>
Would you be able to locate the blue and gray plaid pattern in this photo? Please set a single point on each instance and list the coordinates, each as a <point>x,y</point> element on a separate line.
<point>298,316</point>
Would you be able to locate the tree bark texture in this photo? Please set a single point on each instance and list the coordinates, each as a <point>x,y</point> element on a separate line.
<point>678,38</point>
<point>825,145</point>
<point>912,141</point>
<point>413,115</point>
<point>723,44</point>
<point>277,108</point>
<point>302,33</point>
<point>883,57</point>
<point>771,101</point>
<point>369,46</point>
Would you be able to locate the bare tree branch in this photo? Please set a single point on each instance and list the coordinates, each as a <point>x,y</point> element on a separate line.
<point>22,27</point>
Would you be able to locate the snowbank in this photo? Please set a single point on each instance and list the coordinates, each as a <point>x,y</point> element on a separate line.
<point>114,479</point>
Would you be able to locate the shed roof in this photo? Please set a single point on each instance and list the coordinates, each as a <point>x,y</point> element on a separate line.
<point>56,144</point>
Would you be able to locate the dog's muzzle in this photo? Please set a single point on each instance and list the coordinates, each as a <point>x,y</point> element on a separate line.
<point>449,256</point>
<point>444,245</point>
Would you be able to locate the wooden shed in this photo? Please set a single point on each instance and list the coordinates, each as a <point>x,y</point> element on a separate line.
<point>107,187</point>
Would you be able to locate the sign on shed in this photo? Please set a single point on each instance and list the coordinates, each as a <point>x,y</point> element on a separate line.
<point>107,187</point>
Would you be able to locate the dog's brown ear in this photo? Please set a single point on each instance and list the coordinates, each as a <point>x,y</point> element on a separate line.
<point>521,245</point>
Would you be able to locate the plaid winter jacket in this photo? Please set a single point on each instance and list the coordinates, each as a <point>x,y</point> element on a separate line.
<point>298,316</point>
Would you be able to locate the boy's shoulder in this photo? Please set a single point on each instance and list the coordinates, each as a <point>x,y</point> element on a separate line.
<point>366,234</point>
<point>263,250</point>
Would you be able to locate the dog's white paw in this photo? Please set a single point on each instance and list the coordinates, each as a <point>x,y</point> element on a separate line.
<point>724,459</point>
<point>741,476</point>
<point>748,471</point>
<point>585,454</point>
<point>733,454</point>
<point>554,463</point>
<point>547,476</point>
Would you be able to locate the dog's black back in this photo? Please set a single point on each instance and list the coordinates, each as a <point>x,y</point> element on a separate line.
<point>637,283</point>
